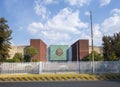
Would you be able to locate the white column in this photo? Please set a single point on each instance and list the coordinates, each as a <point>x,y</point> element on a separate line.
<point>40,67</point>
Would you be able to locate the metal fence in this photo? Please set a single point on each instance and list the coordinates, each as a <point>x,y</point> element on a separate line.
<point>61,67</point>
<point>12,68</point>
<point>82,67</point>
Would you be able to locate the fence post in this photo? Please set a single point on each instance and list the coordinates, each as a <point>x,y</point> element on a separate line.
<point>40,67</point>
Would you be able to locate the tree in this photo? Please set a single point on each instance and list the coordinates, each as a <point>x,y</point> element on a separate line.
<point>97,57</point>
<point>18,57</point>
<point>111,47</point>
<point>107,48</point>
<point>29,53</point>
<point>35,60</point>
<point>5,37</point>
<point>9,60</point>
<point>116,45</point>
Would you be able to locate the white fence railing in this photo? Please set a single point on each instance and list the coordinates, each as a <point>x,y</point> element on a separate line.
<point>11,68</point>
<point>61,67</point>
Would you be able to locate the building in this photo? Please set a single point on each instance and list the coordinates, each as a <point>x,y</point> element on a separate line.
<point>75,52</point>
<point>96,49</point>
<point>58,53</point>
<point>17,49</point>
<point>80,49</point>
<point>42,49</point>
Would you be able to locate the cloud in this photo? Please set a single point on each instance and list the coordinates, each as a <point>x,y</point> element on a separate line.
<point>48,1</point>
<point>87,13</point>
<point>104,2</point>
<point>66,21</point>
<point>68,25</point>
<point>78,2</point>
<point>109,26</point>
<point>35,27</point>
<point>112,24</point>
<point>97,34</point>
<point>55,35</point>
<point>40,8</point>
<point>115,11</point>
<point>60,27</point>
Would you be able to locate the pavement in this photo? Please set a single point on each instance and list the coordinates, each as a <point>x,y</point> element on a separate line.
<point>56,77</point>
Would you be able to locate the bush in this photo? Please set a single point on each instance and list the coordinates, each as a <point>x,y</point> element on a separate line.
<point>97,57</point>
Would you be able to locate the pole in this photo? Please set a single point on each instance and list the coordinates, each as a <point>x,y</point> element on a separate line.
<point>78,60</point>
<point>93,68</point>
<point>77,53</point>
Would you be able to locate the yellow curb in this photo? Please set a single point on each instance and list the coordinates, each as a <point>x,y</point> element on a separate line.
<point>58,77</point>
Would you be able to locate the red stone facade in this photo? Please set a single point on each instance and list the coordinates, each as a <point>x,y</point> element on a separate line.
<point>80,49</point>
<point>41,47</point>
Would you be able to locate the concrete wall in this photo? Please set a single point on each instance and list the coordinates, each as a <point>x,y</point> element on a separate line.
<point>16,49</point>
<point>97,49</point>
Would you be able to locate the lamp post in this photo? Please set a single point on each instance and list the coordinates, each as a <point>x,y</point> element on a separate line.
<point>93,67</point>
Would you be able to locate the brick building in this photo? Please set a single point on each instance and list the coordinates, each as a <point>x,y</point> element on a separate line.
<point>77,51</point>
<point>80,49</point>
<point>41,47</point>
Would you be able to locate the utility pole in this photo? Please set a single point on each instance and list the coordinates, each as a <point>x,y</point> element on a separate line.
<point>93,67</point>
<point>78,62</point>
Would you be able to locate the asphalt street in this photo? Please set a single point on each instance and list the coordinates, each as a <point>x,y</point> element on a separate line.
<point>62,84</point>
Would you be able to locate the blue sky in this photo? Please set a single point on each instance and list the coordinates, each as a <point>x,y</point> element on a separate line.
<point>60,21</point>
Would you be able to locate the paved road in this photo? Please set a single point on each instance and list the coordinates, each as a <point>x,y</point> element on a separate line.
<point>62,84</point>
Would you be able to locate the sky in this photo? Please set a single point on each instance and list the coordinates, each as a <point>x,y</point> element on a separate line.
<point>59,22</point>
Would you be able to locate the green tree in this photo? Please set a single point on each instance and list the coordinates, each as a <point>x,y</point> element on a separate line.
<point>97,57</point>
<point>111,47</point>
<point>29,53</point>
<point>116,45</point>
<point>35,60</point>
<point>5,37</point>
<point>18,57</point>
<point>107,48</point>
<point>9,60</point>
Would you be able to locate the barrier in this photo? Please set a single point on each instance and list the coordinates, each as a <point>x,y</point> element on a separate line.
<point>59,77</point>
<point>60,67</point>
